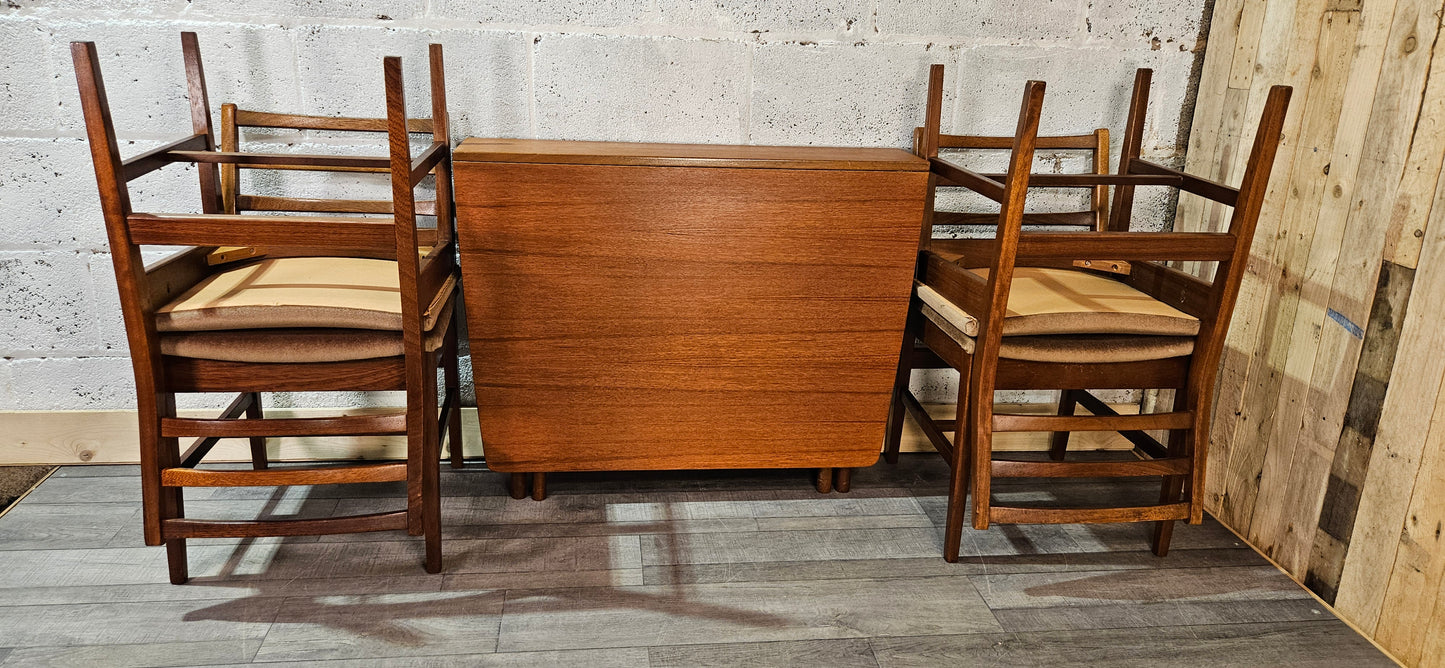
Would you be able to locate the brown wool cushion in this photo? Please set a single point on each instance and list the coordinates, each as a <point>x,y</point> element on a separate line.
<point>299,345</point>
<point>323,292</point>
<point>1094,348</point>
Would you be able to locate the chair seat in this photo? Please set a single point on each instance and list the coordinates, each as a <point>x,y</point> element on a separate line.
<point>1065,316</point>
<point>1045,300</point>
<point>297,310</point>
<point>328,292</point>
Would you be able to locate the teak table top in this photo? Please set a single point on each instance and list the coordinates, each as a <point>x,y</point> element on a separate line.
<point>687,155</point>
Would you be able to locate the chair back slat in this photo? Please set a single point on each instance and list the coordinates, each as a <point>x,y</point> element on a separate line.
<point>1123,206</point>
<point>265,119</point>
<point>200,104</point>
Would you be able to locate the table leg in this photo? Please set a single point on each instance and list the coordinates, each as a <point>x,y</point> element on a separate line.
<point>825,481</point>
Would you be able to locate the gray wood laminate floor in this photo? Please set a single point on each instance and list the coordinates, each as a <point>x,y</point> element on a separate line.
<point>675,569</point>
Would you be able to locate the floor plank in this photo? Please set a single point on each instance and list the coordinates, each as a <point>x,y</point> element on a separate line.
<point>377,625</point>
<point>138,655</point>
<point>131,623</point>
<point>850,653</point>
<point>622,657</point>
<point>1245,645</point>
<point>741,612</point>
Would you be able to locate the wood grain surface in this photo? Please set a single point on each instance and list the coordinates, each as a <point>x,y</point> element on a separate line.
<point>640,317</point>
<point>686,155</point>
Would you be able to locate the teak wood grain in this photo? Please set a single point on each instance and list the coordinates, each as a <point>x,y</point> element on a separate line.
<point>629,316</point>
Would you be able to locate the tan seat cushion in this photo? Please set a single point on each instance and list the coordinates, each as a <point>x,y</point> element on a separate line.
<point>1060,315</point>
<point>325,292</point>
<point>1063,301</point>
<point>299,345</point>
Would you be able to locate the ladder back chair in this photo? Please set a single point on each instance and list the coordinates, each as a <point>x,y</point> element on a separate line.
<point>1015,313</point>
<point>436,244</point>
<point>341,303</point>
<point>915,355</point>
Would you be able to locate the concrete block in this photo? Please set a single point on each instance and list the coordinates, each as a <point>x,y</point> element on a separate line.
<point>381,10</point>
<point>1171,26</point>
<point>47,304</point>
<point>840,17</point>
<point>640,89</point>
<point>70,383</point>
<point>600,13</point>
<point>27,92</point>
<point>145,79</point>
<point>972,22</point>
<point>341,74</point>
<point>48,196</point>
<point>1088,88</point>
<point>99,8</point>
<point>843,94</point>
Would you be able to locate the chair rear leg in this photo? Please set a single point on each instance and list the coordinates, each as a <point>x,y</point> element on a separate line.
<point>1059,443</point>
<point>893,436</point>
<point>258,443</point>
<point>452,376</point>
<point>517,485</point>
<point>1172,489</point>
<point>843,480</point>
<point>539,486</point>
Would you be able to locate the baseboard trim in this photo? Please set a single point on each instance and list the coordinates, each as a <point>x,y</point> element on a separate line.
<point>110,437</point>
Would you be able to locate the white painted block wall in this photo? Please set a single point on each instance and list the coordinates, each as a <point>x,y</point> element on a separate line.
<point>843,72</point>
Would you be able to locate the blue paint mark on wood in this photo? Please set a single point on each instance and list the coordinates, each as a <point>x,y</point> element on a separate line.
<point>1354,330</point>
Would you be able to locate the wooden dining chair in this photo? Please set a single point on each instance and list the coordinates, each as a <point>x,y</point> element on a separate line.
<point>440,238</point>
<point>1018,312</point>
<point>335,303</point>
<point>915,355</point>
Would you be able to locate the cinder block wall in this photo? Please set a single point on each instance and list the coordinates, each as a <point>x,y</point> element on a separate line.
<point>842,72</point>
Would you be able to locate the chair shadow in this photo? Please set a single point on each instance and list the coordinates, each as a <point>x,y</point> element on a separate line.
<point>385,615</point>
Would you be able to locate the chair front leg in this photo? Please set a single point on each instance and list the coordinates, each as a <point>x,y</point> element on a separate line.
<point>258,443</point>
<point>431,473</point>
<point>958,481</point>
<point>1173,487</point>
<point>1059,442</point>
<point>980,447</point>
<point>893,436</point>
<point>171,500</point>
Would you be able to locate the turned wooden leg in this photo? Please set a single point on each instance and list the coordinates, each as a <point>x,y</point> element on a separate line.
<point>843,480</point>
<point>825,481</point>
<point>539,486</point>
<point>518,486</point>
<point>1059,443</point>
<point>258,443</point>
